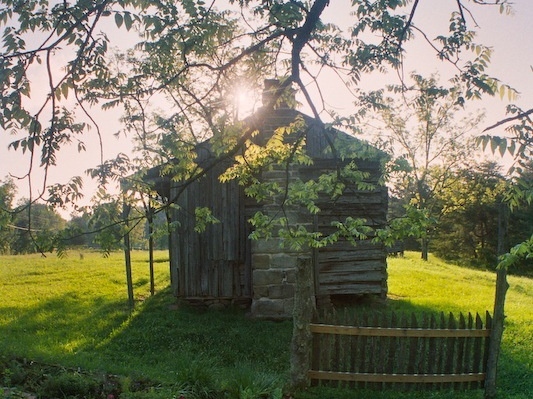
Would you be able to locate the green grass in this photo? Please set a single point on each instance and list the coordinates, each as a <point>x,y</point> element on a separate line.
<point>436,286</point>
<point>73,312</point>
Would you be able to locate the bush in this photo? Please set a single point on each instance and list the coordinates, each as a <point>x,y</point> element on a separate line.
<point>70,385</point>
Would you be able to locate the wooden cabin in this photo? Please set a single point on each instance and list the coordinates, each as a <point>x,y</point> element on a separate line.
<point>223,266</point>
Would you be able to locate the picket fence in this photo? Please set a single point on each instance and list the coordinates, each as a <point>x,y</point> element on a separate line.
<point>400,351</point>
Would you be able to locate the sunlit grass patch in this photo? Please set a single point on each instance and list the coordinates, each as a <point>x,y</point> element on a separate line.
<point>74,312</point>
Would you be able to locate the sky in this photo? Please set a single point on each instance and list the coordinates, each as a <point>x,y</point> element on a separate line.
<point>510,36</point>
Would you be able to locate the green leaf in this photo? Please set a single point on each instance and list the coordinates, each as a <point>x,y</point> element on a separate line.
<point>503,147</point>
<point>512,147</point>
<point>128,21</point>
<point>502,91</point>
<point>494,143</point>
<point>65,89</point>
<point>118,19</point>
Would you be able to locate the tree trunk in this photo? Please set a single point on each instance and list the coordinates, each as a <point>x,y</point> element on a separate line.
<point>424,248</point>
<point>496,333</point>
<point>304,307</point>
<point>503,228</point>
<point>127,255</point>
<point>498,319</point>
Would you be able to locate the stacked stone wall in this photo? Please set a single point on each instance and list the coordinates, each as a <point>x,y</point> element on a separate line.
<point>274,266</point>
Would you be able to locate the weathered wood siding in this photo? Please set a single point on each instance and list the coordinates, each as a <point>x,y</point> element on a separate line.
<point>345,269</point>
<point>216,262</point>
<point>342,268</point>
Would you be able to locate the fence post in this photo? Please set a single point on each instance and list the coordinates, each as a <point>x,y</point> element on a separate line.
<point>127,253</point>
<point>304,307</point>
<point>496,333</point>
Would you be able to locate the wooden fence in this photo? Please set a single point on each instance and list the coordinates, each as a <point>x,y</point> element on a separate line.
<point>400,352</point>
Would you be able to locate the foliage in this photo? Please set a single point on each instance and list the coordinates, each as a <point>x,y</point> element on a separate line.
<point>34,229</point>
<point>522,251</point>
<point>7,195</point>
<point>428,148</point>
<point>177,84</point>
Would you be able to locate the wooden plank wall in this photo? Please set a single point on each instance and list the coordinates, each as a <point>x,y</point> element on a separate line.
<point>344,269</point>
<point>217,263</point>
<point>214,263</point>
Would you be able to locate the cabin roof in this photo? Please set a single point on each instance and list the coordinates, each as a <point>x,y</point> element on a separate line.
<point>322,142</point>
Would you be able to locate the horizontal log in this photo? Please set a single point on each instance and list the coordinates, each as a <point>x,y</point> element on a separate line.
<point>349,277</point>
<point>352,254</point>
<point>344,244</point>
<point>411,378</point>
<point>357,267</point>
<point>350,289</point>
<point>397,332</point>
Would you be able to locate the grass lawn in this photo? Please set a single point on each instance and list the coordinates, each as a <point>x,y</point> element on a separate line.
<point>73,312</point>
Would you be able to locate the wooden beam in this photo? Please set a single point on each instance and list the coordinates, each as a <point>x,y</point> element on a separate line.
<point>410,378</point>
<point>396,332</point>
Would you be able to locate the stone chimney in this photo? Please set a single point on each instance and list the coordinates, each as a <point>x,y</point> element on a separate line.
<point>272,87</point>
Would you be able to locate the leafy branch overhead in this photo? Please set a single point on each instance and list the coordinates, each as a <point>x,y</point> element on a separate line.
<point>172,69</point>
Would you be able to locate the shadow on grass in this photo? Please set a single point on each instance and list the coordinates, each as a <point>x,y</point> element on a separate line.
<point>59,328</point>
<point>158,339</point>
<point>171,344</point>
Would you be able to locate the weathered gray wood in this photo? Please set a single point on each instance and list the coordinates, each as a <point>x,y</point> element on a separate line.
<point>413,351</point>
<point>459,360</point>
<point>363,340</point>
<point>497,327</point>
<point>336,277</point>
<point>441,349</point>
<point>304,307</point>
<point>127,256</point>
<point>396,378</point>
<point>467,363</point>
<point>478,346</point>
<point>218,261</point>
<point>401,354</point>
<point>350,289</point>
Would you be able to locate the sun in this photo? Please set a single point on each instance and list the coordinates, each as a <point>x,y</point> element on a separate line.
<point>244,102</point>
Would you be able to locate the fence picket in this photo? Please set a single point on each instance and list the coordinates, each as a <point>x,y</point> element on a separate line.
<point>468,350</point>
<point>478,342</point>
<point>488,324</point>
<point>460,342</point>
<point>432,358</point>
<point>412,366</point>
<point>362,367</point>
<point>400,352</point>
<point>392,349</point>
<point>354,349</point>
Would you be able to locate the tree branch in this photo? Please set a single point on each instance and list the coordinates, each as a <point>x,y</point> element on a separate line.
<point>521,115</point>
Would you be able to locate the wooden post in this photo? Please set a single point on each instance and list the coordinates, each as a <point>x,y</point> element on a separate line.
<point>496,333</point>
<point>150,219</point>
<point>127,254</point>
<point>304,307</point>
<point>498,317</point>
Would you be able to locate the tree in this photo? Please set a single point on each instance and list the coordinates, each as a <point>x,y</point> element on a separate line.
<point>518,143</point>
<point>430,147</point>
<point>468,231</point>
<point>189,57</point>
<point>7,195</point>
<point>35,228</point>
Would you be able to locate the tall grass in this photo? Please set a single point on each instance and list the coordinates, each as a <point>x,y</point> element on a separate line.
<point>74,312</point>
